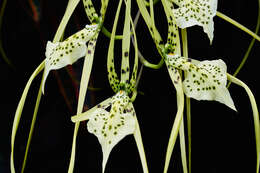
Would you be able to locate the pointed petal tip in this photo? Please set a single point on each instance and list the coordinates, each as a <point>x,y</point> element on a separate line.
<point>233,107</point>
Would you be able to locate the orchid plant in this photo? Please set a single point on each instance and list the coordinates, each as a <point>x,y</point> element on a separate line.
<point>114,118</point>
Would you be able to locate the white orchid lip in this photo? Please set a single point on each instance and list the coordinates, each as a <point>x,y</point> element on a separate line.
<point>110,121</point>
<point>204,81</point>
<point>61,54</point>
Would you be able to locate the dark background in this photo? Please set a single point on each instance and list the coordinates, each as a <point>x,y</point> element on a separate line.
<point>222,140</point>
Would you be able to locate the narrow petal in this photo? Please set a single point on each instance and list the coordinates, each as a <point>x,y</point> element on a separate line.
<point>61,54</point>
<point>111,127</point>
<point>204,81</point>
<point>197,12</point>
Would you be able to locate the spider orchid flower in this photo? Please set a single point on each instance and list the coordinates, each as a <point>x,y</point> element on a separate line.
<point>110,126</point>
<point>205,80</point>
<point>61,54</point>
<point>196,12</point>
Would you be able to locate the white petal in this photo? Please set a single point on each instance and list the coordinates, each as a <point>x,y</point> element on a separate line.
<point>111,127</point>
<point>204,81</point>
<point>61,54</point>
<point>208,81</point>
<point>197,12</point>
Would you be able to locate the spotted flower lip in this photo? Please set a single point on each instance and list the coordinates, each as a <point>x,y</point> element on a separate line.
<point>111,126</point>
<point>205,80</point>
<point>196,12</point>
<point>61,54</point>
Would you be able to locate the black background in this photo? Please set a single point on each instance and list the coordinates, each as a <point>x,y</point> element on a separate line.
<point>222,140</point>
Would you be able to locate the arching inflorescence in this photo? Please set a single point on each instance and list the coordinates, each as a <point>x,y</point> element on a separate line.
<point>114,118</point>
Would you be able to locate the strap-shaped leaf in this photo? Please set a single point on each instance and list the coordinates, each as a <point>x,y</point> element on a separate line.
<point>112,76</point>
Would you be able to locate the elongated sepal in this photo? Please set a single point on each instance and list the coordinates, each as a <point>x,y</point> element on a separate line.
<point>61,54</point>
<point>111,127</point>
<point>205,81</point>
<point>197,12</point>
<point>90,10</point>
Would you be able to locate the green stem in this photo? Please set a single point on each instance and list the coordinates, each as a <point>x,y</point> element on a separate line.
<point>188,113</point>
<point>250,46</point>
<point>108,34</point>
<point>141,57</point>
<point>238,25</point>
<point>136,84</point>
<point>154,2</point>
<point>188,106</point>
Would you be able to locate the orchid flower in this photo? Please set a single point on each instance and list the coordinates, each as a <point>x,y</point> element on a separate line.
<point>196,12</point>
<point>110,126</point>
<point>204,81</point>
<point>61,54</point>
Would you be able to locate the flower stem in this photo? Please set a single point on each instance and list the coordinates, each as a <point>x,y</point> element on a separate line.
<point>141,57</point>
<point>238,25</point>
<point>250,46</point>
<point>188,106</point>
<point>108,34</point>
